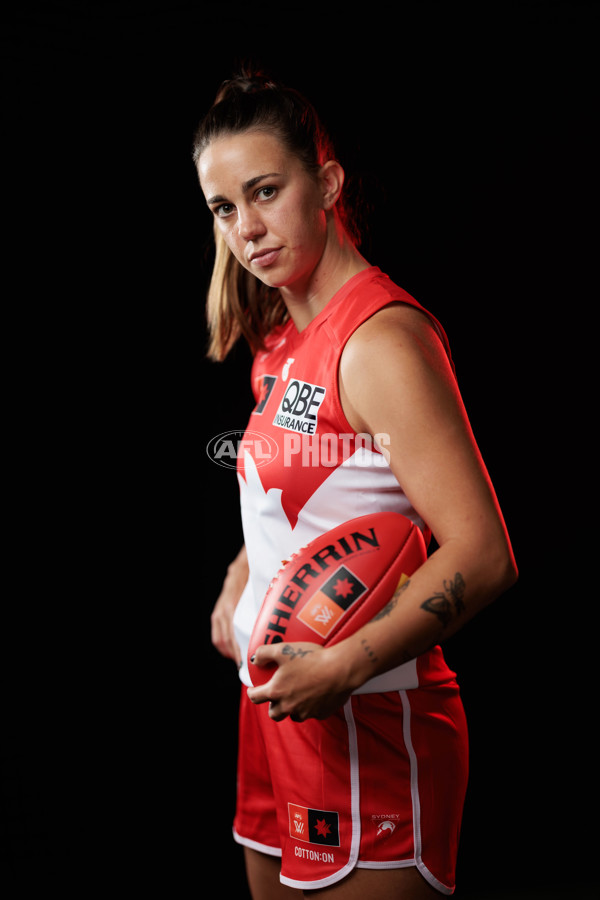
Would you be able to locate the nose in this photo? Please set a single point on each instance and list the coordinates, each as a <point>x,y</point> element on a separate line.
<point>250,225</point>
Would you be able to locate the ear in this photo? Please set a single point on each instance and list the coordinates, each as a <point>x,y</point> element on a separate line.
<point>331,175</point>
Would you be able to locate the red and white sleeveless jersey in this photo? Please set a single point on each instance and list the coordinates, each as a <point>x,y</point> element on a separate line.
<point>303,470</point>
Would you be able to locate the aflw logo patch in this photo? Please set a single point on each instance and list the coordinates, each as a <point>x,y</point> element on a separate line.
<point>299,407</point>
<point>265,387</point>
<point>315,826</point>
<point>327,606</point>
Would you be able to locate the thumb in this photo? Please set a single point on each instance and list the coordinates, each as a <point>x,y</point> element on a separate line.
<point>262,667</point>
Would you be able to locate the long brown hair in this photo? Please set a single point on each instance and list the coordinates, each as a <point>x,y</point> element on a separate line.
<point>238,303</point>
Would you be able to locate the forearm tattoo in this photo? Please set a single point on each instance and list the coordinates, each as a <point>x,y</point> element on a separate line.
<point>403,655</point>
<point>449,603</point>
<point>391,603</point>
<point>387,609</point>
<point>446,605</point>
<point>369,651</point>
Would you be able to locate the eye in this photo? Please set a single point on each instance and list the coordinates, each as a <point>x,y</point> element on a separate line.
<point>223,210</point>
<point>265,193</point>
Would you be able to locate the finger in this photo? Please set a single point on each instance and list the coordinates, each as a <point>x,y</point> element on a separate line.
<point>276,714</point>
<point>259,695</point>
<point>223,638</point>
<point>266,654</point>
<point>219,636</point>
<point>223,645</point>
<point>235,650</point>
<point>268,666</point>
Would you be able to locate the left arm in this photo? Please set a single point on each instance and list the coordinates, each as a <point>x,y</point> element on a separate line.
<point>395,379</point>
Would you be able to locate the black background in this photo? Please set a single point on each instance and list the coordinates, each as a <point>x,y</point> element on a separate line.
<point>471,127</point>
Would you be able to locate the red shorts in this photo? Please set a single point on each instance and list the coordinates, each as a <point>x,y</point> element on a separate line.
<point>378,785</point>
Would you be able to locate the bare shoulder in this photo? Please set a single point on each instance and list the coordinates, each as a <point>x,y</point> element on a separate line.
<point>396,352</point>
<point>399,333</point>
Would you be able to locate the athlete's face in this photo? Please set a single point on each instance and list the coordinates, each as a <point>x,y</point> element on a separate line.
<point>269,209</point>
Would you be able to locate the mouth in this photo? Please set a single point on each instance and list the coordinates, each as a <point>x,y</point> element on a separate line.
<point>262,258</point>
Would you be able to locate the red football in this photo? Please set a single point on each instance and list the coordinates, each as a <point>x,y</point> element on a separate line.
<point>337,583</point>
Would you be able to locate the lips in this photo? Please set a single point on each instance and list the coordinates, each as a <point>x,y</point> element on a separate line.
<point>266,257</point>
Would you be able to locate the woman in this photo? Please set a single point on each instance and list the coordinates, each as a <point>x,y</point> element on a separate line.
<point>352,758</point>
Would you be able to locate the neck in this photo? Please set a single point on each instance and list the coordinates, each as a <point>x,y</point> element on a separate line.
<point>340,262</point>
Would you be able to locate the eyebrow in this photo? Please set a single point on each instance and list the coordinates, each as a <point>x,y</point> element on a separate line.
<point>246,186</point>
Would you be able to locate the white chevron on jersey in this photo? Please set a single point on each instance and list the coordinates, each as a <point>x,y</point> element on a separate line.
<point>270,539</point>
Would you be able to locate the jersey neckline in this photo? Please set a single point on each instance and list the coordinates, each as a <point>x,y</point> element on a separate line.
<point>336,299</point>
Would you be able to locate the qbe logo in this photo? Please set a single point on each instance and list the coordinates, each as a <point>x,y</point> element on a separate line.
<point>226,448</point>
<point>299,407</point>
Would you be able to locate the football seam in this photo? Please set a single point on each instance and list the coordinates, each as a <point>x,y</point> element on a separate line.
<point>344,620</point>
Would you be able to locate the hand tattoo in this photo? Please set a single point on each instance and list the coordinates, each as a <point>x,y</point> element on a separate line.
<point>288,650</point>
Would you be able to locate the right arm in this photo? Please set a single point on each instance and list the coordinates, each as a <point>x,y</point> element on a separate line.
<point>222,615</point>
